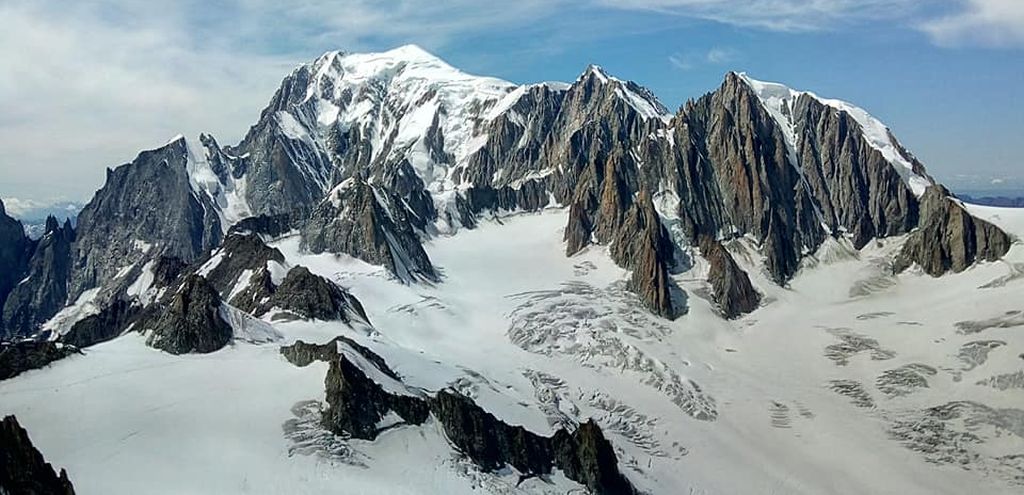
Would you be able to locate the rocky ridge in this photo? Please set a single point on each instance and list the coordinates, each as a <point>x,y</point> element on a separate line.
<point>43,291</point>
<point>358,402</point>
<point>15,250</point>
<point>22,467</point>
<point>370,154</point>
<point>949,238</point>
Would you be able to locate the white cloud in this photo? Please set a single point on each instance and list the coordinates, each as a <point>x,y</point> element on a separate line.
<point>693,59</point>
<point>85,85</point>
<point>998,23</point>
<point>16,207</point>
<point>779,15</point>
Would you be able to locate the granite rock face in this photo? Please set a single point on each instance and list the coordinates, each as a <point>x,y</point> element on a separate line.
<point>855,188</point>
<point>15,250</point>
<point>605,210</point>
<point>583,455</point>
<point>730,285</point>
<point>949,239</point>
<point>43,292</point>
<point>728,163</point>
<point>129,220</point>
<point>23,471</point>
<point>191,322</point>
<point>357,404</point>
<point>370,224</point>
<point>314,297</point>
<point>366,161</point>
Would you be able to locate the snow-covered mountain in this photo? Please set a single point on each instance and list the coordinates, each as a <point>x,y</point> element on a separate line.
<point>409,278</point>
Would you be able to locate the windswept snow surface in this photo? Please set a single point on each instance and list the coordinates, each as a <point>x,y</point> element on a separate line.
<point>779,100</point>
<point>850,381</point>
<point>399,93</point>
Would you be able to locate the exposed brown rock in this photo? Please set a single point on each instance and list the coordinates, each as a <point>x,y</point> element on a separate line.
<point>367,223</point>
<point>730,285</point>
<point>630,227</point>
<point>949,238</point>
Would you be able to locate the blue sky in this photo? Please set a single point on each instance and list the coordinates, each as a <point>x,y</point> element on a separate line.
<point>85,85</point>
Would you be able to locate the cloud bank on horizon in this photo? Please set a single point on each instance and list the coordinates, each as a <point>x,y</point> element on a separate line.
<point>85,85</point>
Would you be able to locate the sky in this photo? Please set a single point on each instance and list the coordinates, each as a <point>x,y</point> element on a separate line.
<point>86,85</point>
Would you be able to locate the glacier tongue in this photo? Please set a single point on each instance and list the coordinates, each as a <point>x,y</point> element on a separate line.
<point>779,99</point>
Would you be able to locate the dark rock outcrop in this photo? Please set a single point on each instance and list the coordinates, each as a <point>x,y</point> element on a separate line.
<point>191,321</point>
<point>166,270</point>
<point>584,455</point>
<point>301,293</point>
<point>357,404</point>
<point>949,238</point>
<point>730,285</point>
<point>271,225</point>
<point>17,357</point>
<point>314,297</point>
<point>606,210</point>
<point>23,471</point>
<point>15,250</point>
<point>130,220</point>
<point>367,223</point>
<point>237,255</point>
<point>44,291</point>
<point>110,322</point>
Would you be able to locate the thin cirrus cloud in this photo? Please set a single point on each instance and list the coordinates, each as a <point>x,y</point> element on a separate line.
<point>991,23</point>
<point>712,57</point>
<point>778,15</point>
<point>998,23</point>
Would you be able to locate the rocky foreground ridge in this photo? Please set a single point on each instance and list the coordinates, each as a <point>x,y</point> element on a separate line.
<point>22,467</point>
<point>357,404</point>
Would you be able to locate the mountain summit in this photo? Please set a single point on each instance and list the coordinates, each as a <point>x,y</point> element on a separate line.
<point>439,148</point>
<point>574,241</point>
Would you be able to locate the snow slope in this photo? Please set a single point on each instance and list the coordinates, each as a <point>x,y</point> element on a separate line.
<point>794,398</point>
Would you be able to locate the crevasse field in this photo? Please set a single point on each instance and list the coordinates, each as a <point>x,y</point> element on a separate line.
<point>851,380</point>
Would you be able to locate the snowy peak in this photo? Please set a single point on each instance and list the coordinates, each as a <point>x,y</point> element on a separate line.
<point>395,70</point>
<point>779,100</point>
<point>595,71</point>
<point>638,97</point>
